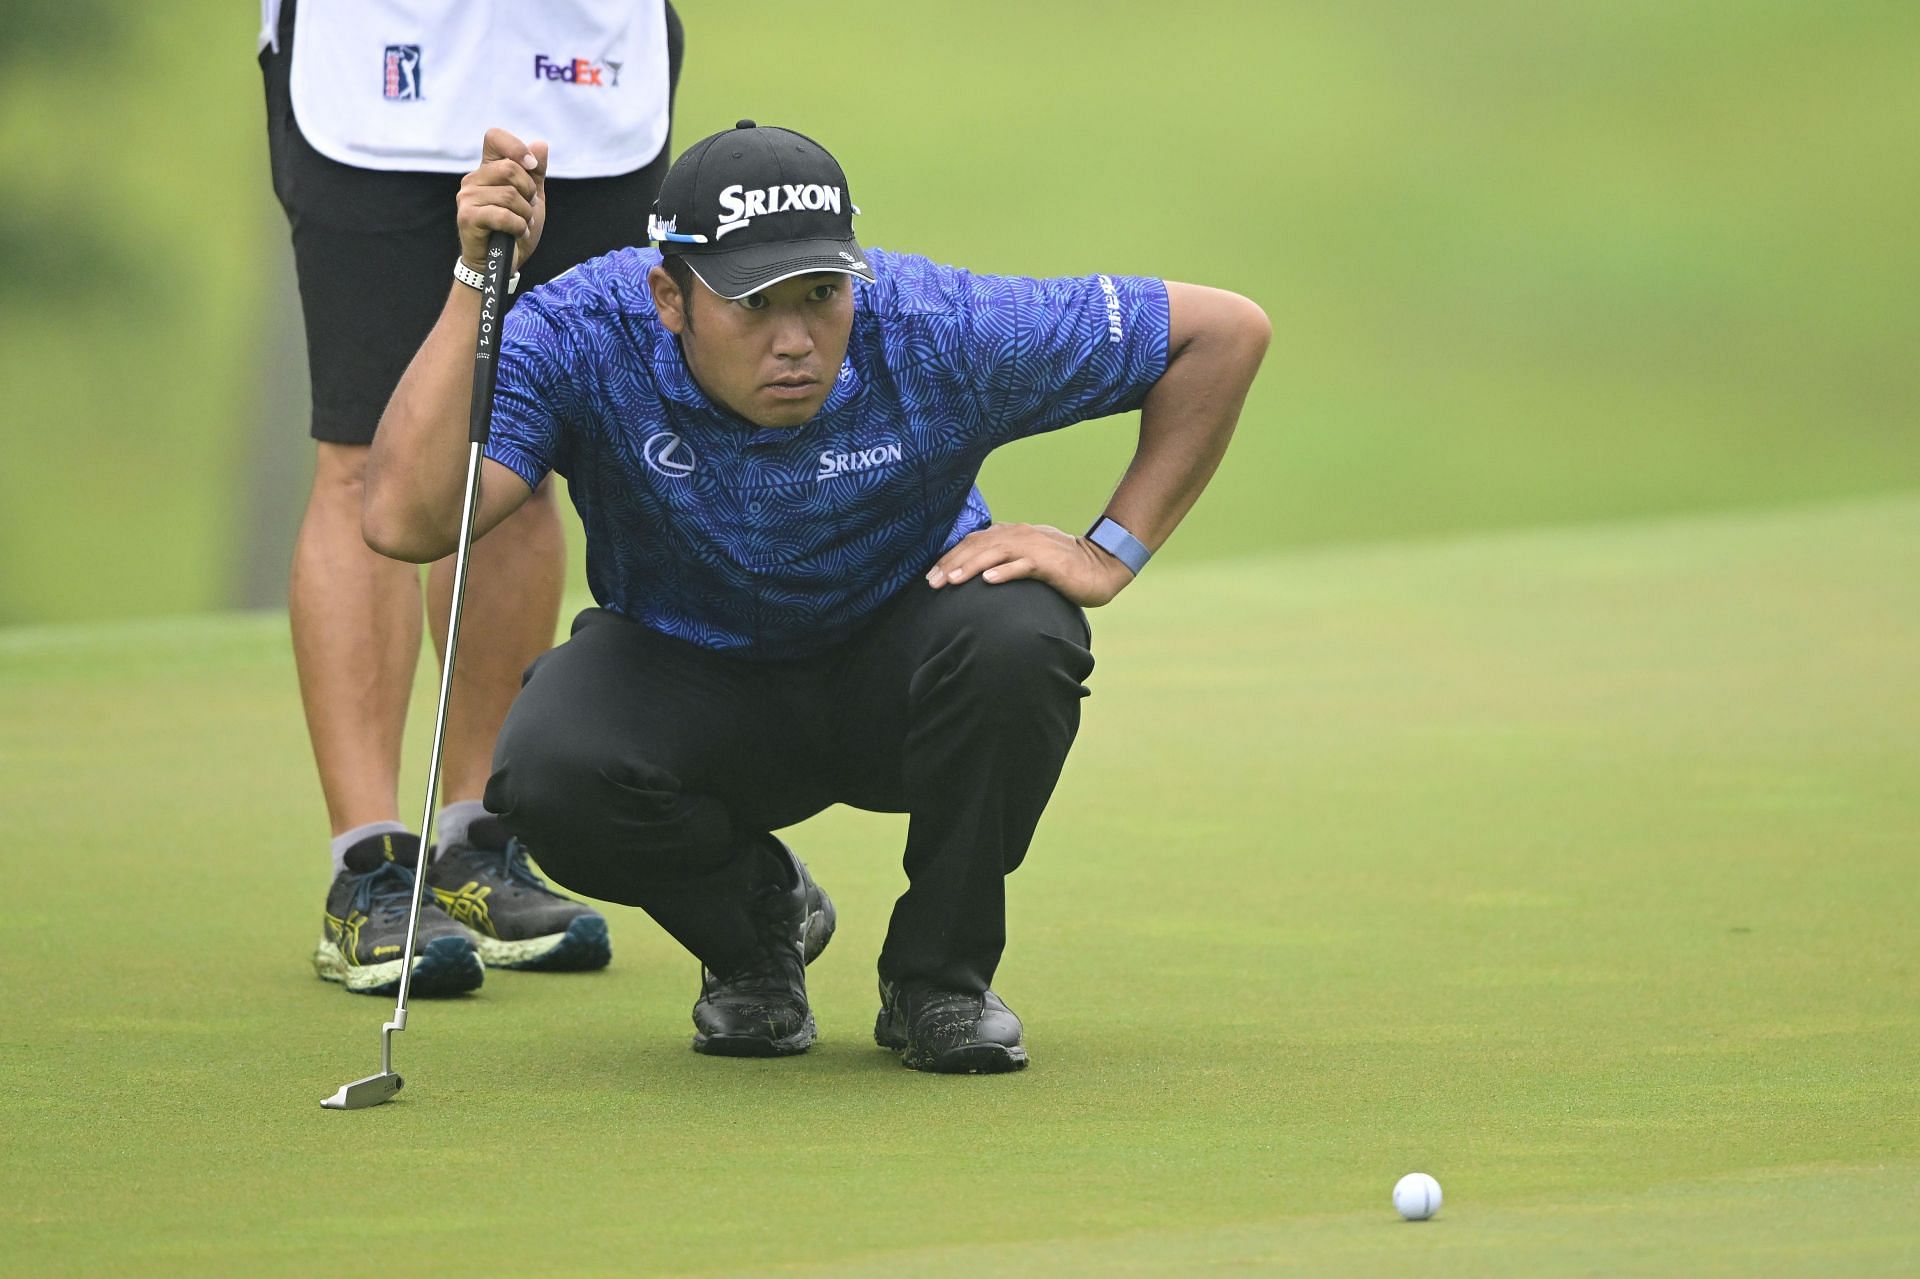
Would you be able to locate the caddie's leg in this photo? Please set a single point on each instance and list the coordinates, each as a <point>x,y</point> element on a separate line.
<point>959,705</point>
<point>511,612</point>
<point>643,770</point>
<point>355,617</point>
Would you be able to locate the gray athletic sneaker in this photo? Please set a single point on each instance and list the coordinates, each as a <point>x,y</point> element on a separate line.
<point>363,938</point>
<point>486,884</point>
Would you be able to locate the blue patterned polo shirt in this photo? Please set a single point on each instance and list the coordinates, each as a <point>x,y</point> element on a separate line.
<point>777,543</point>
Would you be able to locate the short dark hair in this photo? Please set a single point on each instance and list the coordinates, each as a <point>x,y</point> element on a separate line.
<point>682,276</point>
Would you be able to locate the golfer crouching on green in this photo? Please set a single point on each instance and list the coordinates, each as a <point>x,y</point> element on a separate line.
<point>772,435</point>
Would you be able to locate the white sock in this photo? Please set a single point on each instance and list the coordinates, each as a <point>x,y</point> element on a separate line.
<point>455,819</point>
<point>347,839</point>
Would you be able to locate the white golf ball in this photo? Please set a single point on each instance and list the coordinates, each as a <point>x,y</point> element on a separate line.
<point>1417,1196</point>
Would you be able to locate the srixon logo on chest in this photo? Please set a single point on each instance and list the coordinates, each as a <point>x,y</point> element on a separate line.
<point>833,464</point>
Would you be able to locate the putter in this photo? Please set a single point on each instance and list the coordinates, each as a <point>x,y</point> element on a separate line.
<point>374,1089</point>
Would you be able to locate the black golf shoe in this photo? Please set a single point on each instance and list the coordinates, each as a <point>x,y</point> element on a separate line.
<point>948,1032</point>
<point>486,884</point>
<point>364,937</point>
<point>761,1009</point>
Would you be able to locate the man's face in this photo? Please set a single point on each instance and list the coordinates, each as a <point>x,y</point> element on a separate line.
<point>770,357</point>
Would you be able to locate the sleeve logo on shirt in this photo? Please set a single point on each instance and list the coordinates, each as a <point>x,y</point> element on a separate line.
<point>578,71</point>
<point>401,81</point>
<point>1116,332</point>
<point>670,455</point>
<point>836,464</point>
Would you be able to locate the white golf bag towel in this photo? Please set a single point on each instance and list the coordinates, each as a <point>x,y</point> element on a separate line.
<point>414,84</point>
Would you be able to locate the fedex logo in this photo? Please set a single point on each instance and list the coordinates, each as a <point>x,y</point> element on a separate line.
<point>577,71</point>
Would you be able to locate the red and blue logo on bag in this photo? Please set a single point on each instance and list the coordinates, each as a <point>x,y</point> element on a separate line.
<point>402,79</point>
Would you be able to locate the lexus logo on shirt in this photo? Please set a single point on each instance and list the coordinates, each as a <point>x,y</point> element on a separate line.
<point>668,454</point>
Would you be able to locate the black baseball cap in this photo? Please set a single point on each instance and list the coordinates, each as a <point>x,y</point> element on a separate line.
<point>754,205</point>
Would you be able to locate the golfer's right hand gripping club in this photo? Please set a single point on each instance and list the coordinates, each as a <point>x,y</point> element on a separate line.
<point>374,1089</point>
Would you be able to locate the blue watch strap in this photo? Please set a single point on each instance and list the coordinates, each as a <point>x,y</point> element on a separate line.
<point>1110,537</point>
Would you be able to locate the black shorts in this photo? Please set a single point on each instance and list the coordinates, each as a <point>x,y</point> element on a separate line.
<point>374,250</point>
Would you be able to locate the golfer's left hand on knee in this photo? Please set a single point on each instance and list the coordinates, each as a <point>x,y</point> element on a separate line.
<point>1071,565</point>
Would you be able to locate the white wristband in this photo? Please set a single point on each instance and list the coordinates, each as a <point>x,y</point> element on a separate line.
<point>474,280</point>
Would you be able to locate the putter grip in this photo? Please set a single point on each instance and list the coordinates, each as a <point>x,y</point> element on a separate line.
<point>492,303</point>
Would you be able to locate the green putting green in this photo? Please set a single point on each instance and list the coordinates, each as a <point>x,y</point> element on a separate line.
<point>1573,867</point>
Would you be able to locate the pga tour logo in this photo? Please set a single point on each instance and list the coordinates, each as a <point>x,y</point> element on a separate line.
<point>577,71</point>
<point>400,81</point>
<point>739,206</point>
<point>833,464</point>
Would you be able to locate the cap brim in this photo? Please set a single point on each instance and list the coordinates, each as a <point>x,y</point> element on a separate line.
<point>734,273</point>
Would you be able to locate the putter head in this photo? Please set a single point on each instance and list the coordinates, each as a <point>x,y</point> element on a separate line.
<point>363,1093</point>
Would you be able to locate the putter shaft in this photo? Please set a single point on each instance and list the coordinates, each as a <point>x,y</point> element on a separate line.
<point>375,1089</point>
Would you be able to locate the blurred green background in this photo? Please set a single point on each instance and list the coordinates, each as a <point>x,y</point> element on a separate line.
<point>1527,262</point>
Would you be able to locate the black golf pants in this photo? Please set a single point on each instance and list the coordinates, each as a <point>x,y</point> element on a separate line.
<point>644,770</point>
